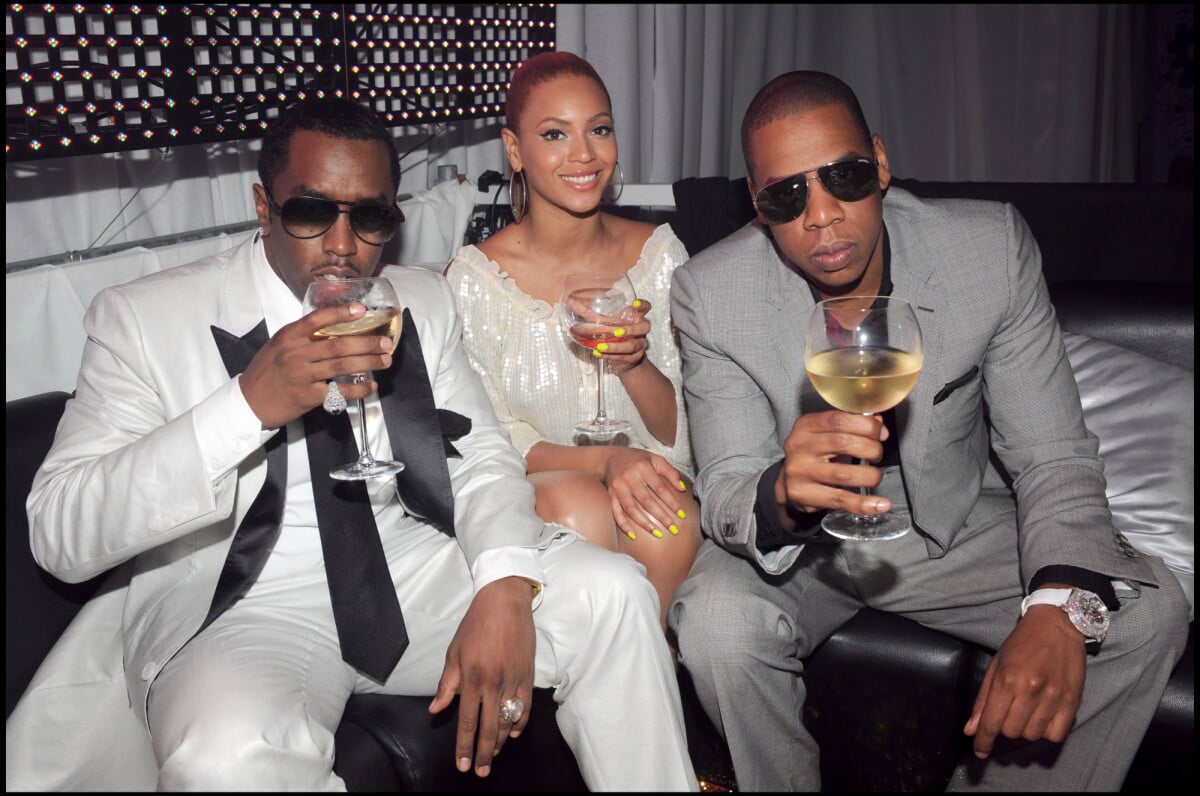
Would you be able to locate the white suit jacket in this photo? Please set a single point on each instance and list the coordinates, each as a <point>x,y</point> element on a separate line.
<point>125,484</point>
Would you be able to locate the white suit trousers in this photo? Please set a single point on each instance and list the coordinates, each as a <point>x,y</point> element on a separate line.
<point>253,702</point>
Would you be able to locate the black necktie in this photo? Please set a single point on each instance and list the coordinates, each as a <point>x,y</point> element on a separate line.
<point>422,436</point>
<point>366,610</point>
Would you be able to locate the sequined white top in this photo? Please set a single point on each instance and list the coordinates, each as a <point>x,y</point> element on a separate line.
<point>540,383</point>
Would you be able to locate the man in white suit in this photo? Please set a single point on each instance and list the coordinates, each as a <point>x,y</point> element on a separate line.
<point>1026,562</point>
<point>213,664</point>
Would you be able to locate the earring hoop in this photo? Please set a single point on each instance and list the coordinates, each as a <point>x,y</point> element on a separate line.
<point>518,195</point>
<point>612,191</point>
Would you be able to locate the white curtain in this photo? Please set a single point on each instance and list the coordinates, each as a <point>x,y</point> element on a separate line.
<point>958,92</point>
<point>1010,93</point>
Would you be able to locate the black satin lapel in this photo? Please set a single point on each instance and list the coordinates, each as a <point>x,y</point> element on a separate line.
<point>415,433</point>
<point>260,527</point>
<point>236,352</point>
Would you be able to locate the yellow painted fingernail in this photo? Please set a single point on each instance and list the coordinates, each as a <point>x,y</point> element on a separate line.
<point>631,535</point>
<point>597,354</point>
<point>682,485</point>
<point>681,514</point>
<point>602,347</point>
<point>618,333</point>
<point>674,529</point>
<point>637,304</point>
<point>657,533</point>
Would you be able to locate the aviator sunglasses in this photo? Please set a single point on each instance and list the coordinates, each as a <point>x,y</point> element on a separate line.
<point>310,216</point>
<point>846,180</point>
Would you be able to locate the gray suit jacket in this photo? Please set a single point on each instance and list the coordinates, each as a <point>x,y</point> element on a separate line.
<point>992,349</point>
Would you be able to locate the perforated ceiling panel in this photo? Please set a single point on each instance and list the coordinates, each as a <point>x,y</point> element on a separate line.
<point>87,78</point>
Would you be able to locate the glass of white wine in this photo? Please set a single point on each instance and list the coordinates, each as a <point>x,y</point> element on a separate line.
<point>863,354</point>
<point>384,318</point>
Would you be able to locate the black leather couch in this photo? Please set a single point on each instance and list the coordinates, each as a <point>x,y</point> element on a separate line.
<point>888,697</point>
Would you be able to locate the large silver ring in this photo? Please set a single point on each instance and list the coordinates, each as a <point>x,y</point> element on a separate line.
<point>511,710</point>
<point>335,402</point>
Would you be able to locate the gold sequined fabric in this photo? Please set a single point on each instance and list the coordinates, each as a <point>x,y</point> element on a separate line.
<point>539,382</point>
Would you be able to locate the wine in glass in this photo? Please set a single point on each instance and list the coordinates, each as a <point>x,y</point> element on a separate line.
<point>595,306</point>
<point>383,317</point>
<point>863,354</point>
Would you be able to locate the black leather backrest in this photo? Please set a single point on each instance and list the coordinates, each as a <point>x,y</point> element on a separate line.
<point>1153,318</point>
<point>38,607</point>
<point>1112,231</point>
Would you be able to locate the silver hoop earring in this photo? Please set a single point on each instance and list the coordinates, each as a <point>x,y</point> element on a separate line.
<point>612,191</point>
<point>518,195</point>
<point>264,232</point>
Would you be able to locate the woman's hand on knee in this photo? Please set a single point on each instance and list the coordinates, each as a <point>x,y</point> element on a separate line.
<point>648,494</point>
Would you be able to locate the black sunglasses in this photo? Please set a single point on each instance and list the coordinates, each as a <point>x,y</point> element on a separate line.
<point>846,180</point>
<point>309,216</point>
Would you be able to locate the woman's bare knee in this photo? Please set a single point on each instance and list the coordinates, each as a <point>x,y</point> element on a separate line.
<point>578,501</point>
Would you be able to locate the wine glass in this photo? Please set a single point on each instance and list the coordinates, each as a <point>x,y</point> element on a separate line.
<point>383,317</point>
<point>594,308</point>
<point>863,354</point>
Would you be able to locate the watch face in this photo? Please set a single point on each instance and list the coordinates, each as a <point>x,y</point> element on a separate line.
<point>1088,613</point>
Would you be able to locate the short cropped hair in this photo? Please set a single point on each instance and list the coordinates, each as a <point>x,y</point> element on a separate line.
<point>798,92</point>
<point>542,68</point>
<point>336,117</point>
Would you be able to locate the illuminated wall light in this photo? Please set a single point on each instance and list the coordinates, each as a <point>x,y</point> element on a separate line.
<point>93,138</point>
<point>64,141</point>
<point>30,111</point>
<point>35,145</point>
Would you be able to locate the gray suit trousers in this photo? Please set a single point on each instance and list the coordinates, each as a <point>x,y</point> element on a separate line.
<point>743,636</point>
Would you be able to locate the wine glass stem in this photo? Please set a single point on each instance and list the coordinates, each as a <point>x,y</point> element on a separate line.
<point>865,491</point>
<point>365,459</point>
<point>601,415</point>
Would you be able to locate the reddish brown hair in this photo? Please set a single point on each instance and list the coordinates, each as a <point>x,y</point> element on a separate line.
<point>542,68</point>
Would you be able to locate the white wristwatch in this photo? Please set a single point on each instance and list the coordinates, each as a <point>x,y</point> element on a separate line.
<point>1085,609</point>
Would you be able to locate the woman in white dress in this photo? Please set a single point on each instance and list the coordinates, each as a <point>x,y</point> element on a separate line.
<point>634,498</point>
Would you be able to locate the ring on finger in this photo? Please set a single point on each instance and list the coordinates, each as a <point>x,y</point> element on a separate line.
<point>511,710</point>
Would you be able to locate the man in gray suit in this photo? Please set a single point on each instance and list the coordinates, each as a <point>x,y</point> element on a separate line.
<point>1024,560</point>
